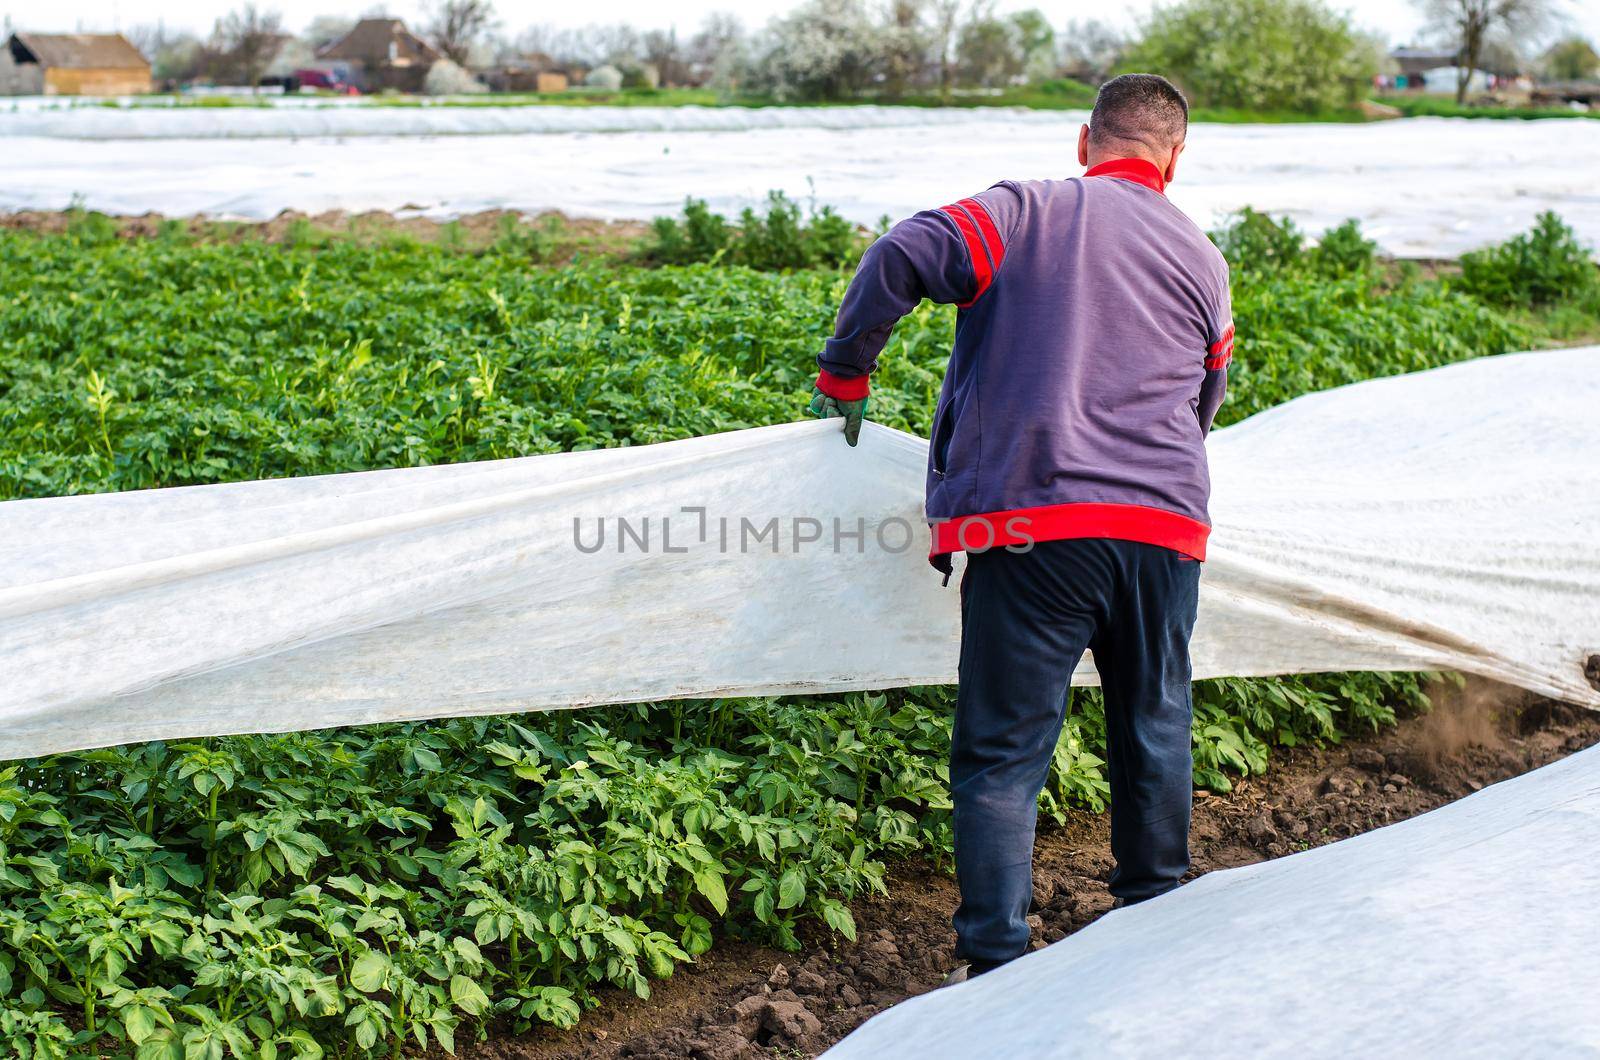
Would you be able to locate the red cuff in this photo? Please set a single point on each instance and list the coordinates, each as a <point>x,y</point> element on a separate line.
<point>840,388</point>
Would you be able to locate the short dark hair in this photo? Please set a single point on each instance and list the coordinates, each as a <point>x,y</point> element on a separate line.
<point>1139,108</point>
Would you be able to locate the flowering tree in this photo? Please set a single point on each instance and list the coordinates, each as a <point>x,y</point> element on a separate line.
<point>825,49</point>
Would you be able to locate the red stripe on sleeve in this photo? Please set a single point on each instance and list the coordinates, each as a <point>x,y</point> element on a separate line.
<point>991,234</point>
<point>1221,351</point>
<point>980,259</point>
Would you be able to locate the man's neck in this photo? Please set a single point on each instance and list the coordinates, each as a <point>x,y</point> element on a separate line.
<point>1126,167</point>
<point>1097,158</point>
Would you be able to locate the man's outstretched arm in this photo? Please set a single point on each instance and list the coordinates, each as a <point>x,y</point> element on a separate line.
<point>948,255</point>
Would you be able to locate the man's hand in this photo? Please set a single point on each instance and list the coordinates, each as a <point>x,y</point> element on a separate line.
<point>853,412</point>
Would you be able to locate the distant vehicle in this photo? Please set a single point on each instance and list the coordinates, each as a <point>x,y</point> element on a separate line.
<point>327,80</point>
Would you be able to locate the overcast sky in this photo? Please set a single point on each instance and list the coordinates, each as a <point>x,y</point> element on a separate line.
<point>1396,19</point>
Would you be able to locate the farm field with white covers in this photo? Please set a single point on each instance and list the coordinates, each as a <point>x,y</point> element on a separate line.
<point>1421,187</point>
<point>326,522</point>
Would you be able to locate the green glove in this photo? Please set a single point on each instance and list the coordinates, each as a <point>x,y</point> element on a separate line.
<point>853,412</point>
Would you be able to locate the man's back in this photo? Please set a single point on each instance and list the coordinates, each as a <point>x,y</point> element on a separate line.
<point>1089,358</point>
<point>1076,376</point>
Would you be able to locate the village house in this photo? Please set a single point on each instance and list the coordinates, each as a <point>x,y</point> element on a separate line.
<point>534,72</point>
<point>381,54</point>
<point>72,64</point>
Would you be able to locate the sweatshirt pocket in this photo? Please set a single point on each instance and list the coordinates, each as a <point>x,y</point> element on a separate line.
<point>943,429</point>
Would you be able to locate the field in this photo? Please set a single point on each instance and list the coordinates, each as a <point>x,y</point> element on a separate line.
<point>1423,187</point>
<point>1414,106</point>
<point>743,996</point>
<point>420,885</point>
<point>1058,94</point>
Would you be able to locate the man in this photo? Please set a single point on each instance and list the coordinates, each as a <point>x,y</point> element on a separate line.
<point>1068,462</point>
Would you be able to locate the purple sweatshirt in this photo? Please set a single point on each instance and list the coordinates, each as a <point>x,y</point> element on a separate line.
<point>1091,354</point>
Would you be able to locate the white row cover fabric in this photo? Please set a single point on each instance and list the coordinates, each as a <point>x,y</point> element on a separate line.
<point>1421,187</point>
<point>295,117</point>
<point>1449,519</point>
<point>1469,931</point>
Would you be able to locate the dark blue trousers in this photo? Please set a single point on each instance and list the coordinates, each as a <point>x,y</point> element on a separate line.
<point>1026,618</point>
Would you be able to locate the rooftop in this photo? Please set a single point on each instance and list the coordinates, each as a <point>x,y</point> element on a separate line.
<point>97,51</point>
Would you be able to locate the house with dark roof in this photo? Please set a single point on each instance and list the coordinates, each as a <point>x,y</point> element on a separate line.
<point>72,64</point>
<point>1413,63</point>
<point>382,54</point>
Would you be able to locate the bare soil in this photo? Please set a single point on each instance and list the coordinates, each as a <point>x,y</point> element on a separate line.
<point>558,238</point>
<point>744,1001</point>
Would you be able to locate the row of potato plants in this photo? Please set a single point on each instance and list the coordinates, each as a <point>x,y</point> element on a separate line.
<point>390,887</point>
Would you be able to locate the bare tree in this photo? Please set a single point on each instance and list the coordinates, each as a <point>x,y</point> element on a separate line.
<point>247,40</point>
<point>325,29</point>
<point>717,50</point>
<point>540,37</point>
<point>660,50</point>
<point>1471,24</point>
<point>457,25</point>
<point>149,38</point>
<point>617,44</point>
<point>544,39</point>
<point>946,19</point>
<point>905,46</point>
<point>1090,49</point>
<point>174,57</point>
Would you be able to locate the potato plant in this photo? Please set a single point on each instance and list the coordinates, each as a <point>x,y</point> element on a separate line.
<point>370,889</point>
<point>396,887</point>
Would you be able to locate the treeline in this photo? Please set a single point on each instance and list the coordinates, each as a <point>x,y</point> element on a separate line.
<point>823,50</point>
<point>1282,55</point>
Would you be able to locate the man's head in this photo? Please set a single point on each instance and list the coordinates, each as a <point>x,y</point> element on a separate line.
<point>1136,116</point>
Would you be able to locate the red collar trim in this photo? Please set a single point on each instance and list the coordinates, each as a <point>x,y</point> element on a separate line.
<point>1135,169</point>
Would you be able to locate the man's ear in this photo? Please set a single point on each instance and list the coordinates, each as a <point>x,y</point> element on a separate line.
<point>1171,173</point>
<point>1083,146</point>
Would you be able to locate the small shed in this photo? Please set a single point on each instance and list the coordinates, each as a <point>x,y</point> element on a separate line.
<point>534,72</point>
<point>1414,63</point>
<point>72,64</point>
<point>383,54</point>
<point>1444,79</point>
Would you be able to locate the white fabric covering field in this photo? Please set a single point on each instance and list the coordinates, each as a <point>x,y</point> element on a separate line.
<point>1422,187</point>
<point>1446,519</point>
<point>1467,932</point>
<point>298,118</point>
